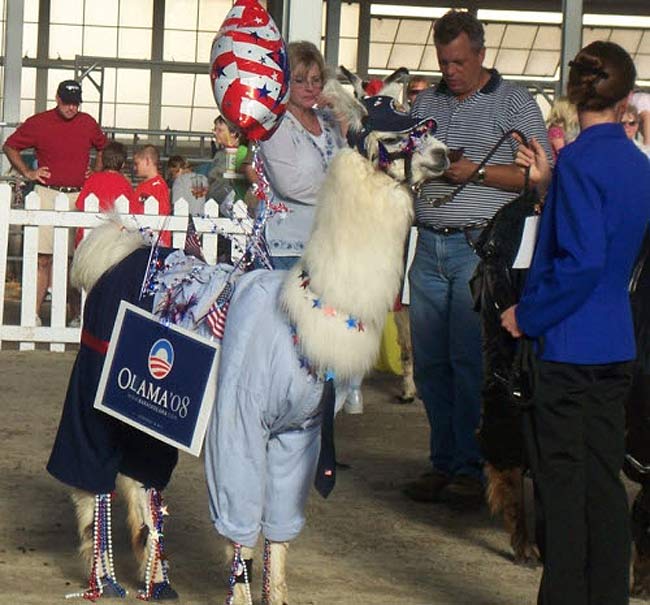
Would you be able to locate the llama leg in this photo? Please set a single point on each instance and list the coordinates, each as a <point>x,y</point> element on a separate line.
<point>505,495</point>
<point>96,544</point>
<point>274,582</point>
<point>146,522</point>
<point>403,325</point>
<point>241,570</point>
<point>641,538</point>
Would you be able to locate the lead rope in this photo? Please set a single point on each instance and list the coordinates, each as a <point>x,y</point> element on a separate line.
<point>445,199</point>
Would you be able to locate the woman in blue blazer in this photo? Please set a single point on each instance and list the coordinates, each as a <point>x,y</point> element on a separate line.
<point>576,306</point>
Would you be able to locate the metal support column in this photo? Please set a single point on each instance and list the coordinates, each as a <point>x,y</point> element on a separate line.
<point>12,71</point>
<point>276,9</point>
<point>155,82</point>
<point>13,52</point>
<point>332,32</point>
<point>571,38</point>
<point>42,54</point>
<point>363,50</point>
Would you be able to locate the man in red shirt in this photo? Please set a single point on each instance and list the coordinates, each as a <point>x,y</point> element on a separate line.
<point>145,161</point>
<point>62,139</point>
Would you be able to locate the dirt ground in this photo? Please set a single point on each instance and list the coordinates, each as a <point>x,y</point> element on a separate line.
<point>366,544</point>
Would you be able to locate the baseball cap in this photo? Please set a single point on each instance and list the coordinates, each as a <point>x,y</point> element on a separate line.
<point>69,91</point>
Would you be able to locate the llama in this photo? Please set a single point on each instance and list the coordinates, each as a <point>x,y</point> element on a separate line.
<point>326,315</point>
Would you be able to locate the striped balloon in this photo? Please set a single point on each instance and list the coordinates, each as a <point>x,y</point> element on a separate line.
<point>250,70</point>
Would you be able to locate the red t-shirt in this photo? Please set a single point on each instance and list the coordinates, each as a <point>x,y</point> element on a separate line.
<point>107,186</point>
<point>154,187</point>
<point>61,145</point>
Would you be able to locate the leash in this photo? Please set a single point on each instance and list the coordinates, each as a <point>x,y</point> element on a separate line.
<point>445,199</point>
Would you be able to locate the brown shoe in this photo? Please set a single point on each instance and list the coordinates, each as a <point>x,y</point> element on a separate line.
<point>464,493</point>
<point>427,487</point>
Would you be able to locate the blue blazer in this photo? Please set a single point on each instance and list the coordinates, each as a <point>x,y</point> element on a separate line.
<point>597,209</point>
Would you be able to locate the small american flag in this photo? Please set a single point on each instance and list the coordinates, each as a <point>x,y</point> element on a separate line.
<point>216,316</point>
<point>192,242</point>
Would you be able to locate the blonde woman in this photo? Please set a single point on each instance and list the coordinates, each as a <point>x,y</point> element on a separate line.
<point>562,124</point>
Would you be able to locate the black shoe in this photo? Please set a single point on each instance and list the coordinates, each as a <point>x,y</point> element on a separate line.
<point>464,493</point>
<point>428,487</point>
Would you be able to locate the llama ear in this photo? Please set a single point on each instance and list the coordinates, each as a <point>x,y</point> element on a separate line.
<point>399,74</point>
<point>392,83</point>
<point>355,80</point>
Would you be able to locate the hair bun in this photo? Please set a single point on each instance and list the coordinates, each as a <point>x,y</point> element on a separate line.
<point>594,70</point>
<point>602,74</point>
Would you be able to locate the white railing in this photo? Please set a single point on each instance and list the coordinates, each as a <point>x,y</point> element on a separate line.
<point>57,335</point>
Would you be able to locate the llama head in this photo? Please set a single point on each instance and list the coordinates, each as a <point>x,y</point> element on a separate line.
<point>403,147</point>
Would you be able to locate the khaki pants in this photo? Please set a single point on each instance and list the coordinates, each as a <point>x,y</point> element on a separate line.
<point>46,234</point>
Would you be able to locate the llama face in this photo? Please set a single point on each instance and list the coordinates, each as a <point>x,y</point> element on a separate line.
<point>414,156</point>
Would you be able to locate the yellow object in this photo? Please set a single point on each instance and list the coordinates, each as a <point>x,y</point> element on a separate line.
<point>389,359</point>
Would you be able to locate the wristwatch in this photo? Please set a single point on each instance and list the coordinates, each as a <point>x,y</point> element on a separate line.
<point>479,177</point>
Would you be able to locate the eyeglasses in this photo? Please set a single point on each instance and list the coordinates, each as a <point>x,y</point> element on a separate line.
<point>304,82</point>
<point>629,122</point>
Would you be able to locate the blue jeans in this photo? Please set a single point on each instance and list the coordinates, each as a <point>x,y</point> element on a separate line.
<point>446,336</point>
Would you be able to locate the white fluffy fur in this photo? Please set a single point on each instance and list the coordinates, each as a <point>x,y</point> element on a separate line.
<point>138,520</point>
<point>355,261</point>
<point>106,246</point>
<point>344,104</point>
<point>84,504</point>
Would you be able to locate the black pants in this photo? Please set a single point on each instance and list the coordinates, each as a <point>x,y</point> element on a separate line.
<point>576,447</point>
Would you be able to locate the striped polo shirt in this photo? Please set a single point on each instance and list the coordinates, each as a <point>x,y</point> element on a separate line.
<point>475,124</point>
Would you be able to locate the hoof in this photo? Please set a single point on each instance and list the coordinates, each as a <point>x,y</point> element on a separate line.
<point>160,591</point>
<point>403,399</point>
<point>111,589</point>
<point>639,592</point>
<point>527,557</point>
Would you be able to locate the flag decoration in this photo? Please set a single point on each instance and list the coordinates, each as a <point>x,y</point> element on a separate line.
<point>192,241</point>
<point>250,70</point>
<point>216,316</point>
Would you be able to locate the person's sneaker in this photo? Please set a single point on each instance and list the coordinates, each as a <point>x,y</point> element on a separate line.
<point>353,402</point>
<point>428,487</point>
<point>465,493</point>
<point>37,322</point>
<point>75,322</point>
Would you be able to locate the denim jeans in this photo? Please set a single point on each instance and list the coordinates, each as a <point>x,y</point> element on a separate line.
<point>446,337</point>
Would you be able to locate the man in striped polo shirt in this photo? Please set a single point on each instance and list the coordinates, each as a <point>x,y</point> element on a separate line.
<point>473,107</point>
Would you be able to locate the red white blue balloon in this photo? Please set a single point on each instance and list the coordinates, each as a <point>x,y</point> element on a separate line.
<point>250,70</point>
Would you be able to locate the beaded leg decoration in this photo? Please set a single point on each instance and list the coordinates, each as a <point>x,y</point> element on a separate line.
<point>239,581</point>
<point>156,578</point>
<point>274,582</point>
<point>102,580</point>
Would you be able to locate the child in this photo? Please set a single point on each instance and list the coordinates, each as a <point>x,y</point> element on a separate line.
<point>186,184</point>
<point>107,185</point>
<point>562,124</point>
<point>145,162</point>
<point>219,176</point>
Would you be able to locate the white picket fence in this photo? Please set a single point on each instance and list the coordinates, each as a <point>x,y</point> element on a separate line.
<point>57,335</point>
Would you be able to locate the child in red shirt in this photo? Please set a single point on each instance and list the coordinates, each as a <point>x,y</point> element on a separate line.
<point>145,161</point>
<point>107,185</point>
